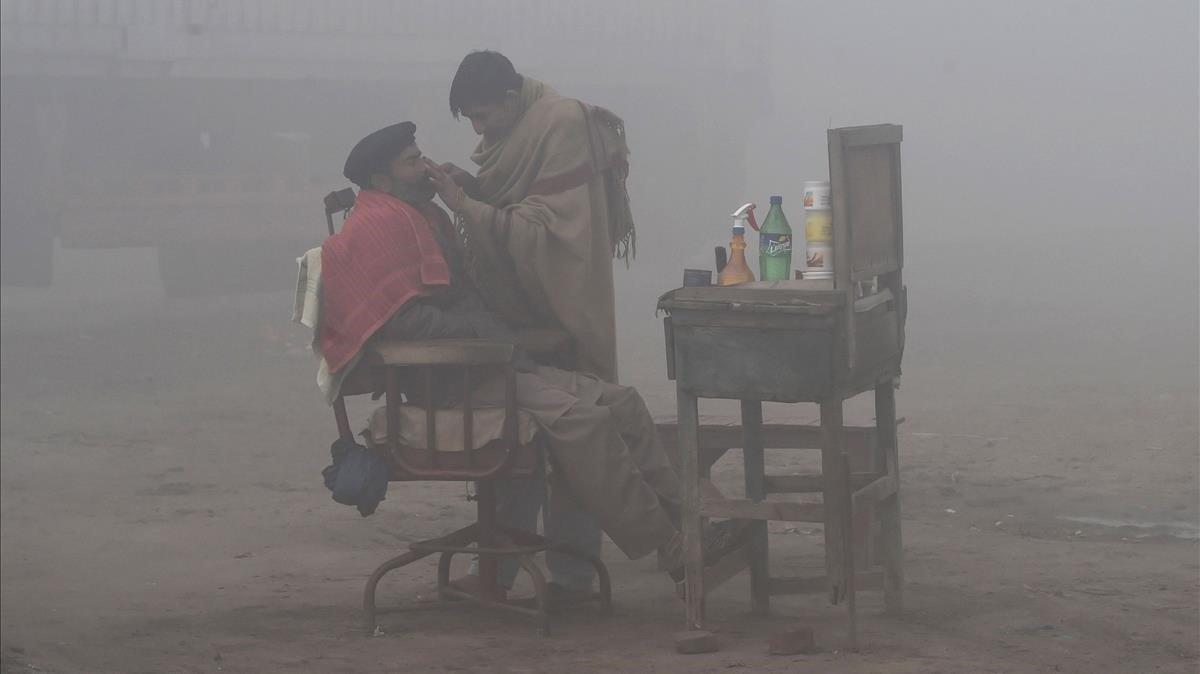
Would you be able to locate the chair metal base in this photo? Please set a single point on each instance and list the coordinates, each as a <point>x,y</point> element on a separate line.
<point>504,543</point>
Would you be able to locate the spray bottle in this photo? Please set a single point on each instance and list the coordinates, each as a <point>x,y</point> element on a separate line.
<point>736,270</point>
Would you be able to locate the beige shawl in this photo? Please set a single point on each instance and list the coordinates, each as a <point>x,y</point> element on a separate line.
<point>554,213</point>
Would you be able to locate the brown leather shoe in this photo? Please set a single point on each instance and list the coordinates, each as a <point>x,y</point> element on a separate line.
<point>720,539</point>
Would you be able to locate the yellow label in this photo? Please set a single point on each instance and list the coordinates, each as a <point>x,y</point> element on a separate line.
<point>818,226</point>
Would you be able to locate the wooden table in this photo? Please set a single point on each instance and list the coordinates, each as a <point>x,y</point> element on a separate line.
<point>793,342</point>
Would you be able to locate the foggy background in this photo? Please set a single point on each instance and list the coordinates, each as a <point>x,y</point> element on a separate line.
<point>1050,163</point>
<point>162,171</point>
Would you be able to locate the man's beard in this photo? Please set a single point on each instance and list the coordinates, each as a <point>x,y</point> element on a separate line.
<point>414,193</point>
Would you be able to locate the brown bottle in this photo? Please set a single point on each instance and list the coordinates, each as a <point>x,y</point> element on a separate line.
<point>736,270</point>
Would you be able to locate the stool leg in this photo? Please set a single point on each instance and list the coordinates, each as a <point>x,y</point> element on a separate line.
<point>754,467</point>
<point>891,543</point>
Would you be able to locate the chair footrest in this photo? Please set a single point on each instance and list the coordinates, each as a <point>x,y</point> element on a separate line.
<point>508,550</point>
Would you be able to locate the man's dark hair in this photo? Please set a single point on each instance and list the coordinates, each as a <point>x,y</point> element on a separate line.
<point>482,79</point>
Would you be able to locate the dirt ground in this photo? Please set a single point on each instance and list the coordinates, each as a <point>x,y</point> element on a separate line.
<point>162,508</point>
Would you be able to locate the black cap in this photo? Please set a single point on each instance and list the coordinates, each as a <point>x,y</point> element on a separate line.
<point>776,201</point>
<point>372,154</point>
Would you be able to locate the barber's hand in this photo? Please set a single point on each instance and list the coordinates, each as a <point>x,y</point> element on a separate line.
<point>451,193</point>
<point>464,179</point>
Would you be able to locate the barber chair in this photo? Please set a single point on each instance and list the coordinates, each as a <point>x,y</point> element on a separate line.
<point>458,442</point>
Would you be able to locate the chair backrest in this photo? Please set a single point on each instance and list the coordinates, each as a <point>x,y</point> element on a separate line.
<point>340,201</point>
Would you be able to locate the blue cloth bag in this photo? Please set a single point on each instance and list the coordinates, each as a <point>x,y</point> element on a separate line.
<point>358,476</point>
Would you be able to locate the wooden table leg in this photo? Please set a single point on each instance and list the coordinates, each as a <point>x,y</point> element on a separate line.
<point>850,541</point>
<point>890,542</point>
<point>689,428</point>
<point>833,498</point>
<point>756,490</point>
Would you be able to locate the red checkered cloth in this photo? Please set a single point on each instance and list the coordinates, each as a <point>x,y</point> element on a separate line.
<point>384,256</point>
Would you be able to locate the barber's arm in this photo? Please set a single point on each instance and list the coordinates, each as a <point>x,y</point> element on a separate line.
<point>527,218</point>
<point>461,178</point>
<point>535,215</point>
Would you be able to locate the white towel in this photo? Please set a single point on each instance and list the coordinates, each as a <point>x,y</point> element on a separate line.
<point>306,310</point>
<point>307,307</point>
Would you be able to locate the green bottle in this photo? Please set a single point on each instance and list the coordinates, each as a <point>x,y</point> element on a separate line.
<point>775,245</point>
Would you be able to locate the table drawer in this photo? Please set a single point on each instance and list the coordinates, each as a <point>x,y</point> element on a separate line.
<point>753,363</point>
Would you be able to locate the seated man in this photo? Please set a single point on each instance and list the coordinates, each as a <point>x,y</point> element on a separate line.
<point>393,273</point>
